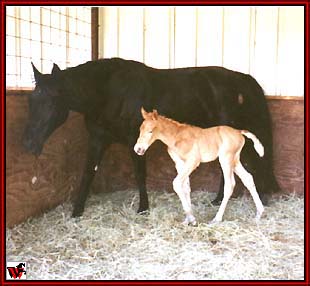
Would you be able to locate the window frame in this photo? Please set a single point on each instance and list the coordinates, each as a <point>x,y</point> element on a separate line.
<point>14,90</point>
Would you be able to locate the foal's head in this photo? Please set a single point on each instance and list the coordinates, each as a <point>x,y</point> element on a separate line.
<point>148,131</point>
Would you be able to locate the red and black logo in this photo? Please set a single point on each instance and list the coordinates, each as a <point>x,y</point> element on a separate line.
<point>17,271</point>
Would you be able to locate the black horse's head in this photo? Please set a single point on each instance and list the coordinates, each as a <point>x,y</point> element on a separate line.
<point>47,109</point>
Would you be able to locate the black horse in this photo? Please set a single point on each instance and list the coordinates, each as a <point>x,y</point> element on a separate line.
<point>110,93</point>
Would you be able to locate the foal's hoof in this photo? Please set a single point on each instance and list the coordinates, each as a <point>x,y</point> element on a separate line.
<point>258,216</point>
<point>191,223</point>
<point>194,223</point>
<point>190,220</point>
<point>214,221</point>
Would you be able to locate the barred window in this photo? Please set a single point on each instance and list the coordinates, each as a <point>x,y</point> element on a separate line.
<point>44,35</point>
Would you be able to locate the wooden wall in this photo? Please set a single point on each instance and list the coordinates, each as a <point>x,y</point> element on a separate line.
<point>288,133</point>
<point>243,38</point>
<point>58,169</point>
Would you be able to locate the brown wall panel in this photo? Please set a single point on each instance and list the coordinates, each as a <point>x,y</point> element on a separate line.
<point>57,169</point>
<point>288,134</point>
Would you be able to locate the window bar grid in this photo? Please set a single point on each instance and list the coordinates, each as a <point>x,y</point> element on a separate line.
<point>53,38</point>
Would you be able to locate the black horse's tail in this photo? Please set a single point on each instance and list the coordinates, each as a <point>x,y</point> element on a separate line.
<point>256,96</point>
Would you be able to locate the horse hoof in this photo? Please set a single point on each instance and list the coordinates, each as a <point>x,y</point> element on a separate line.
<point>216,202</point>
<point>143,212</point>
<point>77,219</point>
<point>265,199</point>
<point>77,213</point>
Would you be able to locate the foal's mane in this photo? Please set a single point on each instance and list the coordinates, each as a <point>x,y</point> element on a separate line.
<point>169,120</point>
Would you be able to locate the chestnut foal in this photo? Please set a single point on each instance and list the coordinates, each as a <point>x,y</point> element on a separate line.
<point>188,146</point>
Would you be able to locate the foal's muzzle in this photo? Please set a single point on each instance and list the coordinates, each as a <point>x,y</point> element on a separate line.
<point>139,150</point>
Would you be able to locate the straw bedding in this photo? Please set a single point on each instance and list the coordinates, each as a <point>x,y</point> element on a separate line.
<point>112,242</point>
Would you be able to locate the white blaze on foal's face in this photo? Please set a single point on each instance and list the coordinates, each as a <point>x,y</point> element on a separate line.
<point>147,128</point>
<point>146,137</point>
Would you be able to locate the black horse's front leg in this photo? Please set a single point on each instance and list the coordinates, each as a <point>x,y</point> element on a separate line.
<point>96,147</point>
<point>139,163</point>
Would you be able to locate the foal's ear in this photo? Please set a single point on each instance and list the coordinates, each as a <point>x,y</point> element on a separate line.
<point>143,112</point>
<point>154,114</point>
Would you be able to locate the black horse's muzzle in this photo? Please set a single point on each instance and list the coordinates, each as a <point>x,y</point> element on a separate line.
<point>32,146</point>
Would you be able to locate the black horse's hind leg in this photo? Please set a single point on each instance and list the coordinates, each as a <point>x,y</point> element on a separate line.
<point>96,147</point>
<point>140,174</point>
<point>220,193</point>
<point>266,183</point>
<point>238,191</point>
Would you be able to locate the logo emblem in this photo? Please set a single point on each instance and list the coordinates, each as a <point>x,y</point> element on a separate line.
<point>16,270</point>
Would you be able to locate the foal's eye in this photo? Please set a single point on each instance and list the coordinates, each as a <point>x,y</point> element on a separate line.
<point>151,131</point>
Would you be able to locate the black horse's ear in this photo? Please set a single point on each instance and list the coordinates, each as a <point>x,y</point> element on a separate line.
<point>55,69</point>
<point>36,73</point>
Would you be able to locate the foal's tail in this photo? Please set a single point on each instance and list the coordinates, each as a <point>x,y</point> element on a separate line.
<point>257,144</point>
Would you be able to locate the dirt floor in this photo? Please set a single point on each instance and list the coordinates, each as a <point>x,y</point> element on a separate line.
<point>112,242</point>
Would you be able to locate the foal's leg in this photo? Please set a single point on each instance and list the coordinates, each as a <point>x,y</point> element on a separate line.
<point>184,196</point>
<point>185,187</point>
<point>247,180</point>
<point>181,185</point>
<point>189,219</point>
<point>229,184</point>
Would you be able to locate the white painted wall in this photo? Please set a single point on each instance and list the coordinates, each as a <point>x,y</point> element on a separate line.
<point>267,42</point>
